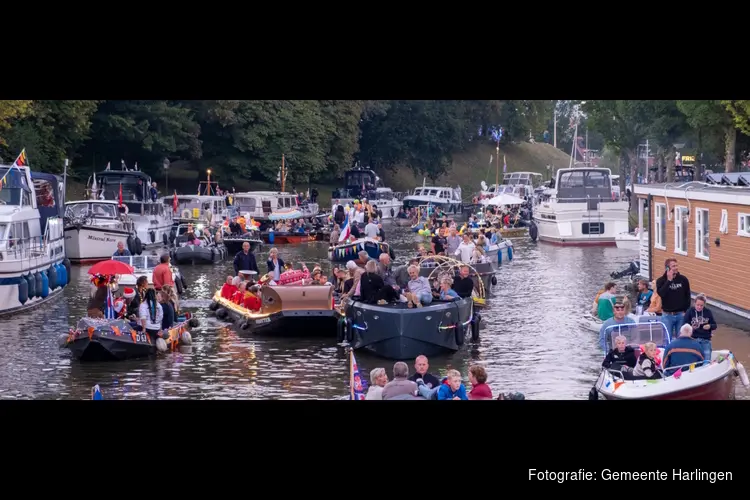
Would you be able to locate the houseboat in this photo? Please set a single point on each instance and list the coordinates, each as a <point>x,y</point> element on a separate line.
<point>93,228</point>
<point>259,205</point>
<point>447,198</point>
<point>33,267</point>
<point>153,221</point>
<point>518,184</point>
<point>707,229</point>
<point>582,209</point>
<point>362,183</point>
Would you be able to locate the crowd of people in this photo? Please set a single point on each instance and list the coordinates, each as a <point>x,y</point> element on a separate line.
<point>690,326</point>
<point>424,385</point>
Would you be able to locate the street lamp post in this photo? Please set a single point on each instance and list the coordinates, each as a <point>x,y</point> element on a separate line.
<point>208,189</point>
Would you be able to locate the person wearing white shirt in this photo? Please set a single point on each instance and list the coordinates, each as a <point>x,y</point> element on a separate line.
<point>360,217</point>
<point>378,379</point>
<point>372,230</point>
<point>465,249</point>
<point>150,314</point>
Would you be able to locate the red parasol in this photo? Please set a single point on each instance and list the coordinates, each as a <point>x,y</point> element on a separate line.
<point>110,267</point>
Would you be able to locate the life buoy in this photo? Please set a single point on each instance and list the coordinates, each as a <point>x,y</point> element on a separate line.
<point>186,214</point>
<point>124,209</point>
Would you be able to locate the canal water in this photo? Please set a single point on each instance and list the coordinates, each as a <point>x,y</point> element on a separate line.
<point>533,339</point>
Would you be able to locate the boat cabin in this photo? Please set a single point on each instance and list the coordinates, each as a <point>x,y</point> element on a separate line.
<point>90,209</point>
<point>447,195</point>
<point>578,184</point>
<point>136,195</point>
<point>260,204</point>
<point>358,182</point>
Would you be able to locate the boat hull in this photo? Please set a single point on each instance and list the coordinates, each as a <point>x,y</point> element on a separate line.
<point>191,254</point>
<point>88,244</point>
<point>719,390</point>
<point>287,238</point>
<point>349,251</point>
<point>234,245</point>
<point>581,224</point>
<point>396,332</point>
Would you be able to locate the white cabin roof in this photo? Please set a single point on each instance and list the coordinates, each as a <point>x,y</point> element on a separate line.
<point>103,202</point>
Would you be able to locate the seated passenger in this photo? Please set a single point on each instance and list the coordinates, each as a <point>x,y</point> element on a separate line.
<point>420,291</point>
<point>229,288</point>
<point>621,356</point>
<point>479,387</point>
<point>373,288</point>
<point>252,299</point>
<point>646,366</point>
<point>400,385</point>
<point>378,380</point>
<point>682,351</point>
<point>454,389</point>
<point>422,374</point>
<point>446,292</point>
<point>239,296</point>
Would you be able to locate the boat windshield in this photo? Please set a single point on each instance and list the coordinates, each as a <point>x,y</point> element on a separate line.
<point>141,262</point>
<point>648,329</point>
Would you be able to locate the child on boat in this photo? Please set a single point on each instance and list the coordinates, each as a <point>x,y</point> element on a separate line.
<point>454,389</point>
<point>647,366</point>
<point>621,356</point>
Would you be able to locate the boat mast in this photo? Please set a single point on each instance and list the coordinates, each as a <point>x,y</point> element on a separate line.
<point>283,175</point>
<point>573,149</point>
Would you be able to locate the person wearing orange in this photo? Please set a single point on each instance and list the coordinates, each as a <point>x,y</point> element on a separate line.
<point>163,273</point>
<point>252,301</point>
<point>239,296</point>
<point>242,222</point>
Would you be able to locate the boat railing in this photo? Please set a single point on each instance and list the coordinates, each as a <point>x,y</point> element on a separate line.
<point>18,249</point>
<point>686,367</point>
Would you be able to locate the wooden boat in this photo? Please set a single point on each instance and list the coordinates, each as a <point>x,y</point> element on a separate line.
<point>286,238</point>
<point>291,310</point>
<point>107,340</point>
<point>515,232</point>
<point>713,381</point>
<point>345,252</point>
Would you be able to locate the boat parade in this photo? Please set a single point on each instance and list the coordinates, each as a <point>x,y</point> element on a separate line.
<point>144,285</point>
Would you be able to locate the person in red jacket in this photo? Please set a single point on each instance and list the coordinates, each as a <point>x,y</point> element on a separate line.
<point>479,387</point>
<point>252,300</point>
<point>229,288</point>
<point>239,295</point>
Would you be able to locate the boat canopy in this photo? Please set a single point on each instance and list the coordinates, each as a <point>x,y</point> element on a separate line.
<point>648,329</point>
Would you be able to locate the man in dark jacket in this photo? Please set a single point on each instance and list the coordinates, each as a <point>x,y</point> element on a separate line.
<point>244,260</point>
<point>674,290</point>
<point>701,319</point>
<point>463,284</point>
<point>682,351</point>
<point>422,365</point>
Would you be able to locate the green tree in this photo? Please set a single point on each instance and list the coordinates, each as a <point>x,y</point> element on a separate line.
<point>707,117</point>
<point>9,111</point>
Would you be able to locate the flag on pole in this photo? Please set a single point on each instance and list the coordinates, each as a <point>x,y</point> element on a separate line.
<point>357,386</point>
<point>345,229</point>
<point>22,160</point>
<point>109,312</point>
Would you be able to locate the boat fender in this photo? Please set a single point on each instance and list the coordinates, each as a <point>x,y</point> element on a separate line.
<point>138,246</point>
<point>743,374</point>
<point>460,334</point>
<point>182,280</point>
<point>165,239</point>
<point>391,253</point>
<point>510,253</point>
<point>38,285</point>
<point>213,306</point>
<point>533,231</point>
<point>476,320</point>
<point>161,345</point>
<point>245,325</point>
<point>32,285</point>
<point>593,394</point>
<point>152,235</point>
<point>348,331</point>
<point>221,313</point>
<point>62,275</point>
<point>213,254</point>
<point>52,272</point>
<point>340,326</point>
<point>131,245</point>
<point>193,322</point>
<point>45,284</point>
<point>173,254</point>
<point>62,340</point>
<point>393,213</point>
<point>172,235</point>
<point>23,291</point>
<point>186,338</point>
<point>494,280</point>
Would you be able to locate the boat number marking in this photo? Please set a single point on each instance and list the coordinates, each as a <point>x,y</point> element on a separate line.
<point>262,321</point>
<point>141,337</point>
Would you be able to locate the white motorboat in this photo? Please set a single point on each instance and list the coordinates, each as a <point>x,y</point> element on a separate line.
<point>259,205</point>
<point>363,183</point>
<point>198,209</point>
<point>33,268</point>
<point>93,228</point>
<point>449,199</point>
<point>144,265</point>
<point>582,210</point>
<point>152,220</point>
<point>631,240</point>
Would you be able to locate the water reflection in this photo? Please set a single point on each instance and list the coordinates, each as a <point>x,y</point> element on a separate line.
<point>531,341</point>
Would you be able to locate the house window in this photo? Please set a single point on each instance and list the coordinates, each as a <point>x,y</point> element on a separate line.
<point>724,224</point>
<point>743,225</point>
<point>660,221</point>
<point>701,233</point>
<point>681,230</point>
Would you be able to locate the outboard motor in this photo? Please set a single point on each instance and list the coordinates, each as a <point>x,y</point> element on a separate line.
<point>632,270</point>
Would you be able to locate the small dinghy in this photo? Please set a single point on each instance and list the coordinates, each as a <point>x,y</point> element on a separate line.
<point>106,339</point>
<point>712,381</point>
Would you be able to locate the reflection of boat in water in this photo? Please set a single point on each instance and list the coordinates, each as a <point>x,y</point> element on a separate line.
<point>293,310</point>
<point>713,381</point>
<point>108,340</point>
<point>344,252</point>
